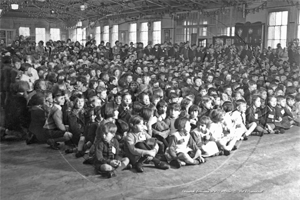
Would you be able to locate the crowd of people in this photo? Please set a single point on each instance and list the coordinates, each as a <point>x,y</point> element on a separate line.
<point>170,105</point>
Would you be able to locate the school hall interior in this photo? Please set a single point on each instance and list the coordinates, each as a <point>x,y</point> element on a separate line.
<point>147,35</point>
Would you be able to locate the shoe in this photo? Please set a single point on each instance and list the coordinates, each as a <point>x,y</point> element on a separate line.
<point>261,134</point>
<point>200,160</point>
<point>139,167</point>
<point>110,174</point>
<point>245,138</point>
<point>234,148</point>
<point>32,139</point>
<point>226,153</point>
<point>88,161</point>
<point>71,150</point>
<point>54,145</point>
<point>128,167</point>
<point>220,153</point>
<point>79,154</point>
<point>162,165</point>
<point>276,131</point>
<point>175,163</point>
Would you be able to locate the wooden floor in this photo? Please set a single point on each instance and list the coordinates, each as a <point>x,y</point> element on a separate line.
<point>261,168</point>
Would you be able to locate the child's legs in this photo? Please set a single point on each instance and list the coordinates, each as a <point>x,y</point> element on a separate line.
<point>252,126</point>
<point>185,157</point>
<point>163,140</point>
<point>58,135</point>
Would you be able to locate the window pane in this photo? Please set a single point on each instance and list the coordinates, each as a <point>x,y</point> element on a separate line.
<point>98,35</point>
<point>83,36</point>
<point>272,18</point>
<point>284,18</point>
<point>156,32</point>
<point>283,32</point>
<point>233,31</point>
<point>40,35</point>
<point>277,32</point>
<point>144,33</point>
<point>55,34</point>
<point>132,33</point>
<point>298,31</point>
<point>106,34</point>
<point>25,31</point>
<point>157,26</point>
<point>283,43</point>
<point>278,18</point>
<point>115,34</point>
<point>271,33</point>
<point>79,35</point>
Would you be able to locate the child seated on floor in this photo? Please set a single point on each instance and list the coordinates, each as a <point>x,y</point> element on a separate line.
<point>254,117</point>
<point>139,146</point>
<point>273,121</point>
<point>225,143</point>
<point>242,129</point>
<point>55,130</point>
<point>201,135</point>
<point>182,148</point>
<point>106,157</point>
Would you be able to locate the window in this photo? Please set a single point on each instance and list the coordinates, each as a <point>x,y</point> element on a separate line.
<point>132,33</point>
<point>156,32</point>
<point>277,28</point>
<point>144,33</point>
<point>54,34</point>
<point>79,35</point>
<point>233,31</point>
<point>114,34</point>
<point>298,24</point>
<point>106,34</point>
<point>40,35</point>
<point>98,35</point>
<point>83,36</point>
<point>25,31</point>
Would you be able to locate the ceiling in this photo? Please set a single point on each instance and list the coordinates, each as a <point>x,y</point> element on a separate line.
<point>69,10</point>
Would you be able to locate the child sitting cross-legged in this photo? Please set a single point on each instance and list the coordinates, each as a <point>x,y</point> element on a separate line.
<point>225,142</point>
<point>139,146</point>
<point>201,136</point>
<point>182,148</point>
<point>106,157</point>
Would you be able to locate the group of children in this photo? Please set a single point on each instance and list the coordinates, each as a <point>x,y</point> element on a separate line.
<point>148,107</point>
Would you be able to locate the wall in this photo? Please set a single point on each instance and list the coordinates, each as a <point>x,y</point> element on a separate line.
<point>15,22</point>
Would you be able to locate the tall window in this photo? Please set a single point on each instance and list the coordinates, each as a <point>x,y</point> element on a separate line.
<point>132,33</point>
<point>25,31</point>
<point>106,34</point>
<point>277,28</point>
<point>233,31</point>
<point>156,32</point>
<point>40,35</point>
<point>83,36</point>
<point>54,34</point>
<point>114,34</point>
<point>98,35</point>
<point>79,35</point>
<point>298,24</point>
<point>144,33</point>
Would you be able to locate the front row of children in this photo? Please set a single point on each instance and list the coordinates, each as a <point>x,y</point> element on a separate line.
<point>150,135</point>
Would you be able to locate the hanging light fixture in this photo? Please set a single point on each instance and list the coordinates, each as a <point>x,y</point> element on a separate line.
<point>14,6</point>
